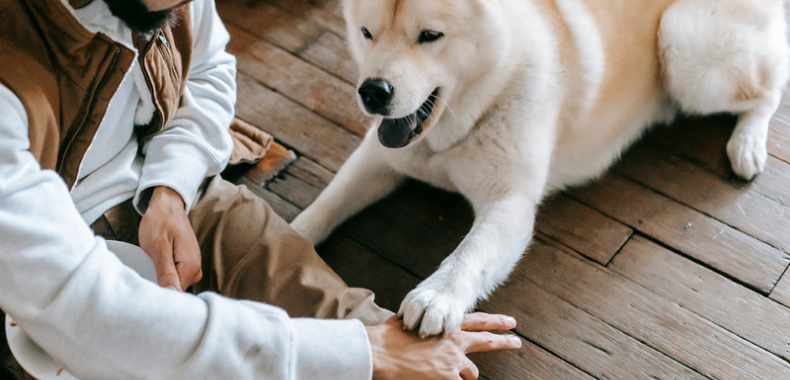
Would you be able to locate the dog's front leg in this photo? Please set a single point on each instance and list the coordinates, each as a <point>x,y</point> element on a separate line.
<point>500,234</point>
<point>365,178</point>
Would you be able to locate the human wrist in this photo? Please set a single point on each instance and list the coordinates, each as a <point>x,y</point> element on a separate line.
<point>376,339</point>
<point>163,196</point>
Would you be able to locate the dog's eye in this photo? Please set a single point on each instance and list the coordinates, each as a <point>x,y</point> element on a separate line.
<point>366,33</point>
<point>428,35</point>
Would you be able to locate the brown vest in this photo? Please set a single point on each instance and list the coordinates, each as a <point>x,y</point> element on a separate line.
<point>65,77</point>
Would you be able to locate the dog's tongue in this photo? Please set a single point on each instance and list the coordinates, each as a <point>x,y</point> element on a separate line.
<point>396,133</point>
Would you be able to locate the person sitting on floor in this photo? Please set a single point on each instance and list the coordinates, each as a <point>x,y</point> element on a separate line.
<point>114,119</point>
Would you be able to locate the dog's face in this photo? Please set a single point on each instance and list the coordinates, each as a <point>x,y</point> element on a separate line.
<point>414,55</point>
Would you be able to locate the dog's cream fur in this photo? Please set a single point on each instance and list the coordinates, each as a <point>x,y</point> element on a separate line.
<point>536,96</point>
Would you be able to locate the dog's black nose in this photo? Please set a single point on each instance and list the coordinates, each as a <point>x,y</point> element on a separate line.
<point>376,95</point>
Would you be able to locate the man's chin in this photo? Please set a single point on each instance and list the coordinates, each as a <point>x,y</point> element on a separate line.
<point>137,17</point>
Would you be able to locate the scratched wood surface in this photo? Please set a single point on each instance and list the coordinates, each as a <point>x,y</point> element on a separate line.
<point>666,268</point>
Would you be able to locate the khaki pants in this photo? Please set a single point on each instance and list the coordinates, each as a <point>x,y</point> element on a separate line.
<point>249,253</point>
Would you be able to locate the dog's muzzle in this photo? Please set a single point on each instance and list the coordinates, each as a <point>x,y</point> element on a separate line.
<point>397,133</point>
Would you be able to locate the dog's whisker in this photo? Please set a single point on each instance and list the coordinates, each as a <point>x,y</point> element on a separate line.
<point>423,111</point>
<point>358,115</point>
<point>445,103</point>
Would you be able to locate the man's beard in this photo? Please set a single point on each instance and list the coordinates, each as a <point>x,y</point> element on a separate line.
<point>138,18</point>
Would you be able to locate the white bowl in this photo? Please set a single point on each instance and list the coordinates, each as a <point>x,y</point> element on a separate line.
<point>32,357</point>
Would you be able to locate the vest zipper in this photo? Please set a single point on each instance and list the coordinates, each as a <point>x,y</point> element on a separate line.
<point>113,64</point>
<point>171,60</point>
<point>164,41</point>
<point>157,108</point>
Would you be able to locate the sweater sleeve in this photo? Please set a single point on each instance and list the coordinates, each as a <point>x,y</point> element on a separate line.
<point>195,144</point>
<point>77,301</point>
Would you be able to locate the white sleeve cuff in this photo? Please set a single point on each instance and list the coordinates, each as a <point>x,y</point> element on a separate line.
<point>332,350</point>
<point>177,163</point>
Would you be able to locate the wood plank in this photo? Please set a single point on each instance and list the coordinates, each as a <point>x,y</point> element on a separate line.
<point>714,297</point>
<point>562,218</point>
<point>587,231</point>
<point>324,12</point>
<point>270,23</point>
<point>659,323</point>
<point>295,126</point>
<point>301,183</point>
<point>416,227</point>
<point>434,225</point>
<point>781,292</point>
<point>297,80</point>
<point>732,203</point>
<point>579,338</point>
<point>528,363</point>
<point>691,232</point>
<point>702,140</point>
<point>330,52</point>
<point>388,281</point>
<point>311,173</point>
<point>779,134</point>
<point>774,181</point>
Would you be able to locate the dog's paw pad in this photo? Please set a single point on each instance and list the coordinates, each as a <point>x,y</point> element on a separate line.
<point>747,155</point>
<point>432,312</point>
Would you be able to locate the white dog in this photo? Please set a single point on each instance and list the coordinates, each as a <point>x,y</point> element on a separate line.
<point>506,101</point>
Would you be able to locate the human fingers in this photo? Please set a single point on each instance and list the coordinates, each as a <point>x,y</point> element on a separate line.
<point>166,273</point>
<point>469,371</point>
<point>486,341</point>
<point>186,255</point>
<point>486,322</point>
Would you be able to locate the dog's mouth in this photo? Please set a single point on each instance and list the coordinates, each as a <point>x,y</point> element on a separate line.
<point>399,132</point>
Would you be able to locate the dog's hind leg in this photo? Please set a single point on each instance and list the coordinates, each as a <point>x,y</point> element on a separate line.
<point>362,180</point>
<point>728,56</point>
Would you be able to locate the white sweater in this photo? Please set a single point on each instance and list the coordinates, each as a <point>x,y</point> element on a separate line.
<point>83,306</point>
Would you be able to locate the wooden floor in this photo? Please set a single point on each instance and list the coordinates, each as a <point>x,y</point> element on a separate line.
<point>667,268</point>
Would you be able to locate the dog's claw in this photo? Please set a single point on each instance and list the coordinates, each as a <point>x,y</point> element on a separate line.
<point>433,312</point>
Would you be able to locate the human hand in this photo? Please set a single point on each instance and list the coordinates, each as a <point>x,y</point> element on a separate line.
<point>167,237</point>
<point>399,354</point>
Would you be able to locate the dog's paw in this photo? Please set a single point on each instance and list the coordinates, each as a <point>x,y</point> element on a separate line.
<point>432,311</point>
<point>747,154</point>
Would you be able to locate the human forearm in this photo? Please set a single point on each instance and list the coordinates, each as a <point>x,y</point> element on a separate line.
<point>87,310</point>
